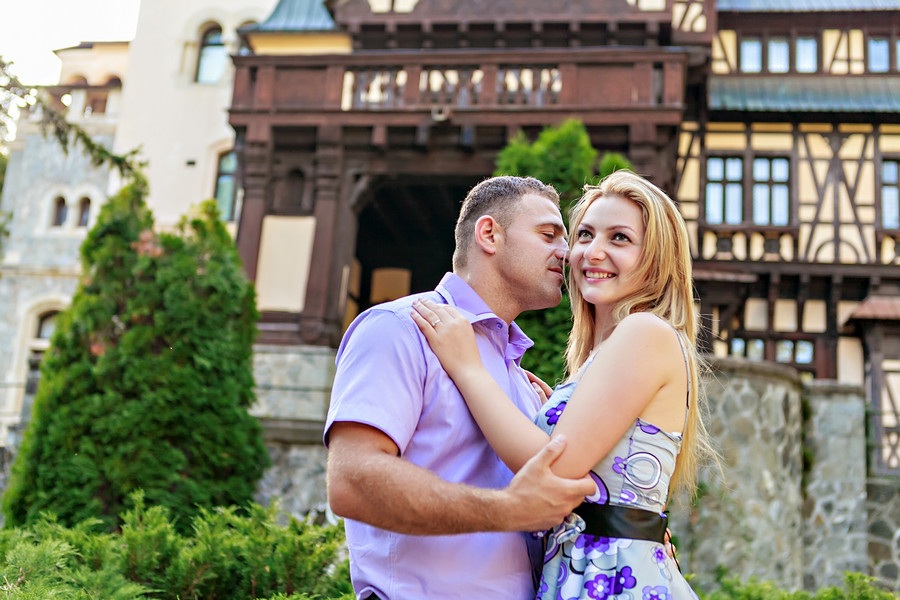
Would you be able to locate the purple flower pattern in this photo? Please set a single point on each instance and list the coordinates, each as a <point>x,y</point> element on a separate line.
<point>555,412</point>
<point>625,580</point>
<point>599,588</point>
<point>582,566</point>
<point>656,592</point>
<point>590,543</point>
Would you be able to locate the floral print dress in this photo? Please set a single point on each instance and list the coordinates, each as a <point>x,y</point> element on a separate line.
<point>636,474</point>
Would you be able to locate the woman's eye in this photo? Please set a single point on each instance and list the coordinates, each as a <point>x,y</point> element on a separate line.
<point>620,237</point>
<point>584,234</point>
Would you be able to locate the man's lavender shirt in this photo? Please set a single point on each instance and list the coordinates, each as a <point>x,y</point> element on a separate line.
<point>388,378</point>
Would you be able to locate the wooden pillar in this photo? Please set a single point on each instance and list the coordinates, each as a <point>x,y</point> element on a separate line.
<point>255,156</point>
<point>319,323</point>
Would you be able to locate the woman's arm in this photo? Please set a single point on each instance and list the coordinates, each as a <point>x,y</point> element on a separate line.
<point>510,433</point>
<point>637,371</point>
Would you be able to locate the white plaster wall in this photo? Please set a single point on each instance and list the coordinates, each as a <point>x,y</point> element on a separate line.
<point>174,119</point>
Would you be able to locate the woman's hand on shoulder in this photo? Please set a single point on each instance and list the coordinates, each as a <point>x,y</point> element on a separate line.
<point>449,334</point>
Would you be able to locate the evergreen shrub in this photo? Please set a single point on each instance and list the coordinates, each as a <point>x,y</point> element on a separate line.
<point>148,378</point>
<point>226,556</point>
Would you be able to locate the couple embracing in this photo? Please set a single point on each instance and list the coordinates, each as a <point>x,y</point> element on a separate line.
<point>462,476</point>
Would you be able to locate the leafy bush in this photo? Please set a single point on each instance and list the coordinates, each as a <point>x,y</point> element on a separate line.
<point>856,587</point>
<point>226,556</point>
<point>261,555</point>
<point>148,378</point>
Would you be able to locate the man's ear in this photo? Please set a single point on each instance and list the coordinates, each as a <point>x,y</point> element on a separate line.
<point>488,234</point>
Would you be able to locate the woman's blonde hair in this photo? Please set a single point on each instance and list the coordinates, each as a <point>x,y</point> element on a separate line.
<point>664,266</point>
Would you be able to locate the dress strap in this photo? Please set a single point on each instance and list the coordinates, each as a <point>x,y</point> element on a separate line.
<point>687,373</point>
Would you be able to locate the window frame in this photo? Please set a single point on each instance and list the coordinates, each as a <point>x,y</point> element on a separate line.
<point>747,185</point>
<point>208,51</point>
<point>221,178</point>
<point>879,208</point>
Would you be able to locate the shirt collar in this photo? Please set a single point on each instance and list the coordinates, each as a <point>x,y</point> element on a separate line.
<point>457,292</point>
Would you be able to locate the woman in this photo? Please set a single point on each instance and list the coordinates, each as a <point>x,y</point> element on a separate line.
<point>629,407</point>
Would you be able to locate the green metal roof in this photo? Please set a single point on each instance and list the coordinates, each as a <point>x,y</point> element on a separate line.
<point>296,15</point>
<point>805,5</point>
<point>852,93</point>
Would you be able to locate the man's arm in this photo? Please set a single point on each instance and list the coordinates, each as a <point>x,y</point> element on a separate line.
<point>369,482</point>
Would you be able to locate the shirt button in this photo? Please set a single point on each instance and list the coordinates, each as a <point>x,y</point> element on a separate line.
<point>499,325</point>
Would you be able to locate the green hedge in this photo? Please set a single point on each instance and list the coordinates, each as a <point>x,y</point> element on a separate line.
<point>231,554</point>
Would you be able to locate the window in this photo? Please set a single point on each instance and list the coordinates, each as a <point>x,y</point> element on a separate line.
<point>754,349</point>
<point>46,325</point>
<point>878,55</point>
<point>60,210</point>
<point>213,55</point>
<point>799,353</point>
<point>724,190</point>
<point>225,185</point>
<point>751,55</point>
<point>84,212</point>
<point>771,198</point>
<point>778,59</point>
<point>807,55</point>
<point>890,194</point>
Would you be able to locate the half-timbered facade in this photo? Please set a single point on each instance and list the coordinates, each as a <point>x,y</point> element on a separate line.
<point>788,176</point>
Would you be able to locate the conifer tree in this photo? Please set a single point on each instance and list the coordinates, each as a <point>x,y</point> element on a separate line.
<point>148,377</point>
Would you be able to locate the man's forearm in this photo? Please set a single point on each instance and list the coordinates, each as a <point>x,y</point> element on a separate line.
<point>393,494</point>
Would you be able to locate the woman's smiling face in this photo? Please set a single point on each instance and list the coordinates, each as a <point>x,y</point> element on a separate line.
<point>607,247</point>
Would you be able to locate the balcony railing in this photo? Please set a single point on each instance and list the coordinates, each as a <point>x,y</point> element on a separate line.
<point>593,81</point>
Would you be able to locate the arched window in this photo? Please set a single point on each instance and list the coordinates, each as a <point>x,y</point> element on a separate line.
<point>226,187</point>
<point>40,341</point>
<point>60,210</point>
<point>84,212</point>
<point>46,325</point>
<point>212,57</point>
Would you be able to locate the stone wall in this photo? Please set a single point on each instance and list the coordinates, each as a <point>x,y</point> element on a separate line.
<point>834,510</point>
<point>883,511</point>
<point>747,519</point>
<point>293,388</point>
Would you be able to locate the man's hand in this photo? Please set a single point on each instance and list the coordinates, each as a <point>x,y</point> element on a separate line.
<point>537,499</point>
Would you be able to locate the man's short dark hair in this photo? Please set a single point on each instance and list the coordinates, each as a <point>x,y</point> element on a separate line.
<point>498,197</point>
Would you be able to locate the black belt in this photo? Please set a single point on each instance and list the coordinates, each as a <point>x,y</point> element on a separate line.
<point>609,520</point>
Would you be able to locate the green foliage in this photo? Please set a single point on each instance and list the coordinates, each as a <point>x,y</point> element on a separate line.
<point>856,587</point>
<point>4,162</point>
<point>14,93</point>
<point>563,157</point>
<point>148,378</point>
<point>227,556</point>
<point>612,162</point>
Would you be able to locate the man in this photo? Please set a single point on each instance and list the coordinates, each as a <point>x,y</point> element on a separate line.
<point>431,511</point>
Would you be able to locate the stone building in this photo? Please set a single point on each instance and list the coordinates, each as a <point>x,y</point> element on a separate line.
<point>351,129</point>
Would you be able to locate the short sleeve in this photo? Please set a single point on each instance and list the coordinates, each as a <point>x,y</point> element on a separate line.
<point>380,376</point>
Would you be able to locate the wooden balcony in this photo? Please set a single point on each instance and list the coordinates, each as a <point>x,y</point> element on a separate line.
<point>601,86</point>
